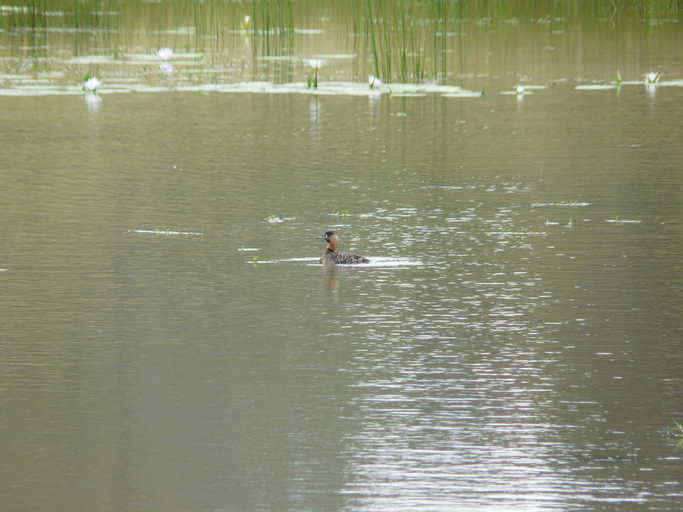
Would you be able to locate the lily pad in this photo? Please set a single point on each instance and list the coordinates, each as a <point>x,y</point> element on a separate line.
<point>595,87</point>
<point>277,219</point>
<point>165,232</point>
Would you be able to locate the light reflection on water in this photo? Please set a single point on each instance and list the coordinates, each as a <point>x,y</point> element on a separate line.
<point>461,372</point>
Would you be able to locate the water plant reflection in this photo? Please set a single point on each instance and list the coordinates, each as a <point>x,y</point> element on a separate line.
<point>166,68</point>
<point>93,102</point>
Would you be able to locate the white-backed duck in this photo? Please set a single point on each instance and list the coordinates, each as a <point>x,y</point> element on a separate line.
<point>340,258</point>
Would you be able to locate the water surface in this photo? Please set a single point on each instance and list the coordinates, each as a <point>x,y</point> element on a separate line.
<point>169,342</point>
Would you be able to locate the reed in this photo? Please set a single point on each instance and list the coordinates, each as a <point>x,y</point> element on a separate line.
<point>273,36</point>
<point>406,40</point>
<point>89,13</point>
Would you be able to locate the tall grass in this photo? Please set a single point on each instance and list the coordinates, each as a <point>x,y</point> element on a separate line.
<point>406,40</point>
<point>273,22</point>
<point>396,34</point>
<point>273,36</point>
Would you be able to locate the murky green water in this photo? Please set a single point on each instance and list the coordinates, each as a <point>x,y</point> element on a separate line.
<point>169,343</point>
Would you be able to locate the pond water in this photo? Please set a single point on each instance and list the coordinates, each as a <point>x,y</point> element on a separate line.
<point>170,343</point>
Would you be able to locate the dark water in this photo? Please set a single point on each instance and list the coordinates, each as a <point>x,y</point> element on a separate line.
<point>168,342</point>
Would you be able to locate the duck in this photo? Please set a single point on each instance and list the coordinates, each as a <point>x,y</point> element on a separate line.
<point>340,258</point>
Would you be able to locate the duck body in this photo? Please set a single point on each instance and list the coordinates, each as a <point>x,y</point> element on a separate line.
<point>342,258</point>
<point>331,256</point>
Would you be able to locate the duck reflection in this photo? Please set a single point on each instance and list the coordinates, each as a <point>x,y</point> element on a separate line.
<point>333,282</point>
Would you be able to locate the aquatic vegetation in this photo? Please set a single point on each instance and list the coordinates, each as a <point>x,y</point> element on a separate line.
<point>404,38</point>
<point>122,85</point>
<point>256,260</point>
<point>166,232</point>
<point>396,41</point>
<point>374,82</point>
<point>272,34</point>
<point>396,36</point>
<point>315,65</point>
<point>595,87</point>
<point>277,219</point>
<point>515,92</point>
<point>619,220</point>
<point>523,90</point>
<point>91,83</point>
<point>463,94</point>
<point>561,203</point>
<point>340,213</point>
<point>652,78</point>
<point>273,219</point>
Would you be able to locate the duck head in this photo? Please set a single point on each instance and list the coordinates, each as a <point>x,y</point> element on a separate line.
<point>331,238</point>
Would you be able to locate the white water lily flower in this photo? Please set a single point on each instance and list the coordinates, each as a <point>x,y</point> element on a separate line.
<point>246,23</point>
<point>315,64</point>
<point>91,84</point>
<point>652,78</point>
<point>374,82</point>
<point>165,53</point>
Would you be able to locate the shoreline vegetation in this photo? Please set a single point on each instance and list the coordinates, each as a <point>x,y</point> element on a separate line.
<point>436,41</point>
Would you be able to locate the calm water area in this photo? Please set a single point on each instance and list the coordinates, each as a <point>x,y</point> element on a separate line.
<point>168,341</point>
